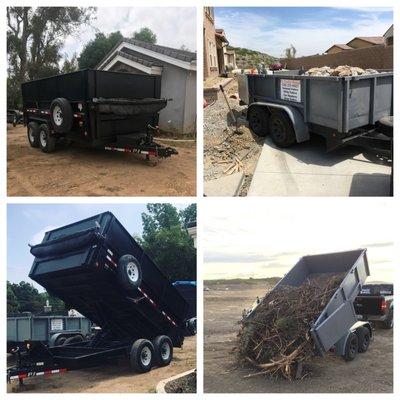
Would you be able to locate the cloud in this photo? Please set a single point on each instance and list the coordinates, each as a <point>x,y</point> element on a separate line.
<point>308,35</point>
<point>38,236</point>
<point>174,26</point>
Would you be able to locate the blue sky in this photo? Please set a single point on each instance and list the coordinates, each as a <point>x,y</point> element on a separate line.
<point>311,30</point>
<point>27,223</point>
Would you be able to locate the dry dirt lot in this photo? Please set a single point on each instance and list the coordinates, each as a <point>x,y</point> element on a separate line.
<point>77,171</point>
<point>114,378</point>
<point>371,372</point>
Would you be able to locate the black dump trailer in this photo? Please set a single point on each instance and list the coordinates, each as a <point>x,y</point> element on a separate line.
<point>109,110</point>
<point>97,268</point>
<point>188,289</point>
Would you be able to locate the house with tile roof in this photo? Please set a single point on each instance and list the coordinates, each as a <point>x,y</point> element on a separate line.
<point>177,69</point>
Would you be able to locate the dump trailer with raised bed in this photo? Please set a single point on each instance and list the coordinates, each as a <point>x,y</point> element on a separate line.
<point>344,110</point>
<point>48,329</point>
<point>97,268</point>
<point>337,328</point>
<point>103,109</point>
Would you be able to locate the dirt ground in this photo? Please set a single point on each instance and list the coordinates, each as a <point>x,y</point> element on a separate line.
<point>225,147</point>
<point>114,378</point>
<point>371,372</point>
<point>78,171</point>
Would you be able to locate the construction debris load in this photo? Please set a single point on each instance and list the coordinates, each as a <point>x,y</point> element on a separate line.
<point>341,70</point>
<point>275,338</point>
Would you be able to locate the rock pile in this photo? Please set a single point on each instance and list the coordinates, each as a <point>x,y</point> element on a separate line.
<point>341,70</point>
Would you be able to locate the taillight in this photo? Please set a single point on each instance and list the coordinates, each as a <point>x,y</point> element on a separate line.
<point>383,305</point>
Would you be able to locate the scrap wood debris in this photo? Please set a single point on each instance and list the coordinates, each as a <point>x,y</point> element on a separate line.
<point>275,338</point>
<point>341,70</point>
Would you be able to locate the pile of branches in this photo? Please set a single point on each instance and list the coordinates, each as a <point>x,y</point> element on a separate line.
<point>275,338</point>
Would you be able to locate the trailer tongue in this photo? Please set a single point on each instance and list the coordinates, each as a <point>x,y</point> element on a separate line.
<point>97,268</point>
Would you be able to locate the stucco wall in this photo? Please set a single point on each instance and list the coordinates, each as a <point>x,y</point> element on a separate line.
<point>189,122</point>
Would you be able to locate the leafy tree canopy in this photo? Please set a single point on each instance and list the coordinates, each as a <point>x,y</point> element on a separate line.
<point>146,35</point>
<point>167,242</point>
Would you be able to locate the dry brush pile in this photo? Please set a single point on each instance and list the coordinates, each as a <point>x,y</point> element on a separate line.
<point>275,338</point>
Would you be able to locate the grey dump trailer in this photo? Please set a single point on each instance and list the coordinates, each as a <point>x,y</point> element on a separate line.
<point>102,109</point>
<point>344,110</point>
<point>337,328</point>
<point>98,269</point>
<point>48,329</point>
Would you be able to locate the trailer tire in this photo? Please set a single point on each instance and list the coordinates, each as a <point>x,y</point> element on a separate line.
<point>60,341</point>
<point>258,120</point>
<point>61,115</point>
<point>388,322</point>
<point>47,142</point>
<point>129,272</point>
<point>163,350</point>
<point>351,348</point>
<point>142,355</point>
<point>73,339</point>
<point>364,339</point>
<point>281,129</point>
<point>386,125</point>
<point>33,134</point>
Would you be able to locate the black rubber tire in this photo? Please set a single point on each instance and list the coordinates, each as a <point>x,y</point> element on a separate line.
<point>47,142</point>
<point>33,136</point>
<point>258,120</point>
<point>162,355</point>
<point>281,129</point>
<point>388,322</point>
<point>129,272</point>
<point>60,341</point>
<point>65,115</point>
<point>364,339</point>
<point>137,356</point>
<point>73,339</point>
<point>385,125</point>
<point>351,348</point>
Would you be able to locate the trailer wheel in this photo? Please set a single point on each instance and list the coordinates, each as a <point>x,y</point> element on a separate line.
<point>364,339</point>
<point>281,129</point>
<point>33,134</point>
<point>61,115</point>
<point>142,355</point>
<point>129,272</point>
<point>388,323</point>
<point>47,142</point>
<point>351,349</point>
<point>163,350</point>
<point>258,120</point>
<point>60,341</point>
<point>73,339</point>
<point>386,125</point>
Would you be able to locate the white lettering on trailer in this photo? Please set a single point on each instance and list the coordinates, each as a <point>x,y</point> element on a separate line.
<point>291,90</point>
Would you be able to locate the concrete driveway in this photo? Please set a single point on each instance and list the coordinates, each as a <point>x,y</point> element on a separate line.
<point>306,169</point>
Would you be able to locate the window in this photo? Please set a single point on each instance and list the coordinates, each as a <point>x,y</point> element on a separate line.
<point>212,51</point>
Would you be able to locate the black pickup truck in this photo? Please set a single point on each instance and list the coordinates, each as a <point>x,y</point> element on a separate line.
<point>375,303</point>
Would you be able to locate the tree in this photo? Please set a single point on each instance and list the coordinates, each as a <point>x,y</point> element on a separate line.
<point>146,35</point>
<point>12,301</point>
<point>290,52</point>
<point>57,305</point>
<point>189,214</point>
<point>97,49</point>
<point>70,65</point>
<point>34,40</point>
<point>167,241</point>
<point>28,297</point>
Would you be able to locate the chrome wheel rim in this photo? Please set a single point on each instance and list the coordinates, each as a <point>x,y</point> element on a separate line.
<point>165,351</point>
<point>132,271</point>
<point>31,135</point>
<point>43,138</point>
<point>145,356</point>
<point>57,115</point>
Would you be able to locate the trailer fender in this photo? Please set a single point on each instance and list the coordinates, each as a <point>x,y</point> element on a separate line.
<point>300,127</point>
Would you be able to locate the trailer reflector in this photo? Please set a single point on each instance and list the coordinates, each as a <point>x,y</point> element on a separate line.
<point>40,373</point>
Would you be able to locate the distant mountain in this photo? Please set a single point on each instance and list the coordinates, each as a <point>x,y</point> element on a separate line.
<point>246,58</point>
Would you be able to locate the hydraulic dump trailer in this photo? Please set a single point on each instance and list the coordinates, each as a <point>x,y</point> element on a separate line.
<point>97,268</point>
<point>103,109</point>
<point>337,328</point>
<point>344,110</point>
<point>48,329</point>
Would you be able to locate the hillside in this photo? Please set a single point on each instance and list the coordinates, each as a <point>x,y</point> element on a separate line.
<point>246,58</point>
